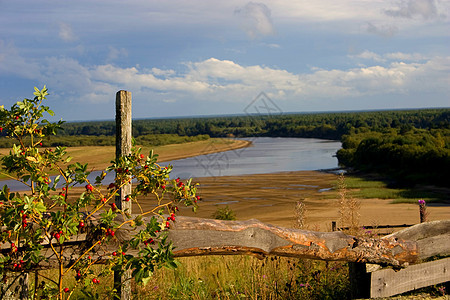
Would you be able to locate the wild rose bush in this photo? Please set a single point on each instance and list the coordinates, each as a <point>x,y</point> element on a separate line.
<point>51,213</point>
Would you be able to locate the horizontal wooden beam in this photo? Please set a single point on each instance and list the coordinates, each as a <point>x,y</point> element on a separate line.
<point>196,237</point>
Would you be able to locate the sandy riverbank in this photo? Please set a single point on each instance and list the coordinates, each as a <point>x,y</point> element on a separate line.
<point>271,198</point>
<point>99,157</point>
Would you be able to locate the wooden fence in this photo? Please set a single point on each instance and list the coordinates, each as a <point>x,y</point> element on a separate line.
<point>404,250</point>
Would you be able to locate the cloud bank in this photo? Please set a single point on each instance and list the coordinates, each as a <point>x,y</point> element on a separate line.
<point>225,80</point>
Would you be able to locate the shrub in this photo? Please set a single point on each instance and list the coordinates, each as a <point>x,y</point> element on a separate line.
<point>53,212</point>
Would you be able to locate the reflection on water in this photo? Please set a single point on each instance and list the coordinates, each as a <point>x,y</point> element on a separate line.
<point>266,155</point>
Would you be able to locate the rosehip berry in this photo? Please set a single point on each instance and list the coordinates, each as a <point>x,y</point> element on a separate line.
<point>163,187</point>
<point>40,144</point>
<point>95,280</point>
<point>89,187</point>
<point>114,253</point>
<point>81,224</point>
<point>177,180</point>
<point>112,233</point>
<point>89,257</point>
<point>127,199</point>
<point>172,218</point>
<point>57,236</point>
<point>198,197</point>
<point>113,206</point>
<point>78,275</point>
<point>66,290</point>
<point>167,225</point>
<point>17,117</point>
<point>15,266</point>
<point>142,155</point>
<point>123,253</point>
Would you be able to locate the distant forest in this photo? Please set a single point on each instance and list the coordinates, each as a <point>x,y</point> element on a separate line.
<point>411,145</point>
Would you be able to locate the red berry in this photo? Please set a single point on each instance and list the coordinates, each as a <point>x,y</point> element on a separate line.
<point>163,187</point>
<point>15,266</point>
<point>57,236</point>
<point>142,155</point>
<point>66,290</point>
<point>114,253</point>
<point>198,197</point>
<point>123,253</point>
<point>89,187</point>
<point>172,218</point>
<point>94,280</point>
<point>81,224</point>
<point>17,117</point>
<point>113,206</point>
<point>40,144</point>
<point>177,180</point>
<point>1,129</point>
<point>127,199</point>
<point>119,170</point>
<point>167,225</point>
<point>89,257</point>
<point>112,233</point>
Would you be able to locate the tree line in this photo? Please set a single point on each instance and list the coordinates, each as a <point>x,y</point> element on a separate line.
<point>413,145</point>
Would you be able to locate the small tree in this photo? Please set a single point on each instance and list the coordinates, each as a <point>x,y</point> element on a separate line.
<point>51,212</point>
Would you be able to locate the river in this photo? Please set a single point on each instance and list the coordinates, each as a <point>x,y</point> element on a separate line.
<point>265,155</point>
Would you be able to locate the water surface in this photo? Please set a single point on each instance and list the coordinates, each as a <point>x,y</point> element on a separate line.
<point>265,155</point>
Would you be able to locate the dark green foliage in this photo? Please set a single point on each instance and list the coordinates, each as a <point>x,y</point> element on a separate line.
<point>224,213</point>
<point>311,125</point>
<point>412,156</point>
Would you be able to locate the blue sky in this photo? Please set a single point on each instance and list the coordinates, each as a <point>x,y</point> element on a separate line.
<point>198,57</point>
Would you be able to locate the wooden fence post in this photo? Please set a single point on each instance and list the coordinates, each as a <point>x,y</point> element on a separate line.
<point>122,281</point>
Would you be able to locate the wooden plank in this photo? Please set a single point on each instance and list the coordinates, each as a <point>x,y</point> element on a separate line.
<point>387,282</point>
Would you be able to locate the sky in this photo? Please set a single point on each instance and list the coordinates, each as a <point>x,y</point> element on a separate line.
<point>214,57</point>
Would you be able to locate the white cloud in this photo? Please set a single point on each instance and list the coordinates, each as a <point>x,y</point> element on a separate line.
<point>411,8</point>
<point>66,32</point>
<point>255,19</point>
<point>395,56</point>
<point>225,80</point>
